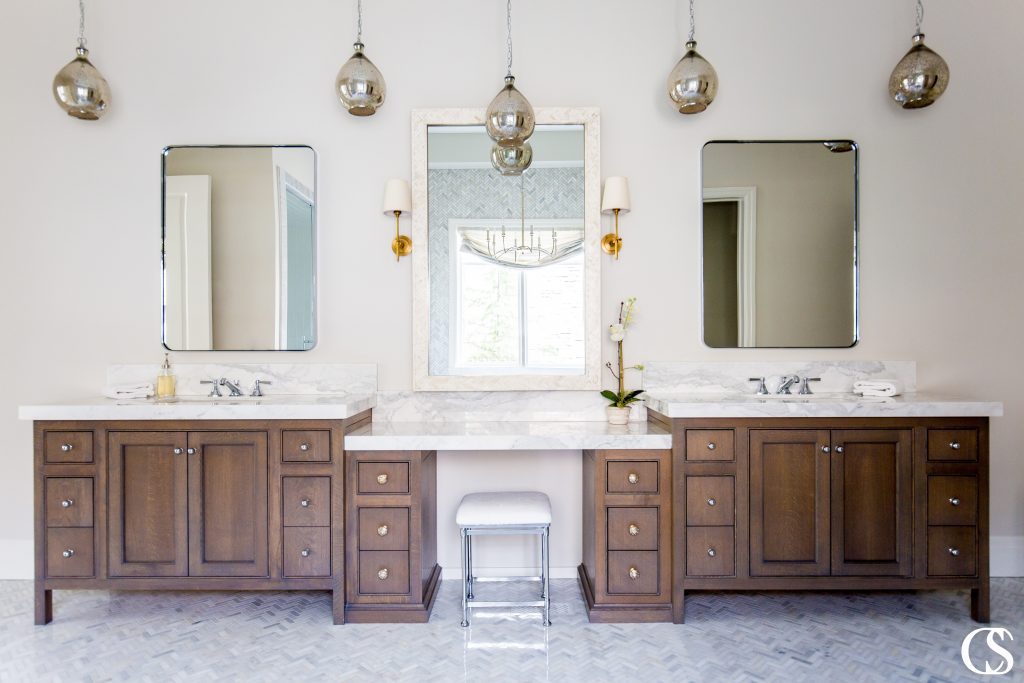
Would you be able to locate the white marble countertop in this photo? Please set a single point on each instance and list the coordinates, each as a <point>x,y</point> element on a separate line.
<point>505,436</point>
<point>819,405</point>
<point>279,407</point>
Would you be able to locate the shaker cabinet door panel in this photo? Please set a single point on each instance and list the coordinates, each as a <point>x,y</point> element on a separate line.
<point>148,501</point>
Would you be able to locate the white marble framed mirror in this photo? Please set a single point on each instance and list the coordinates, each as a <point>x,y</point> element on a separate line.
<point>484,321</point>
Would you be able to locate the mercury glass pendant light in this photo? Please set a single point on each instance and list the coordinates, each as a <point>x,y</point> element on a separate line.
<point>360,85</point>
<point>921,76</point>
<point>79,87</point>
<point>509,119</point>
<point>693,83</point>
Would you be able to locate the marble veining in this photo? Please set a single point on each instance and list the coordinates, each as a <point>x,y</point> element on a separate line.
<point>286,378</point>
<point>489,406</point>
<point>692,377</point>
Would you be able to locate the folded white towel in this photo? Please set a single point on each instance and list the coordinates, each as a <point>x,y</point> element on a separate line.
<point>878,387</point>
<point>129,391</point>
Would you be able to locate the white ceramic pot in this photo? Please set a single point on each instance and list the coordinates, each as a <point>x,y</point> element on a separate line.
<point>617,416</point>
<point>638,411</point>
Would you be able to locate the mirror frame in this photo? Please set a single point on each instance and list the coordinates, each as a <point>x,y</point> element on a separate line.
<point>590,379</point>
<point>751,203</point>
<point>163,241</point>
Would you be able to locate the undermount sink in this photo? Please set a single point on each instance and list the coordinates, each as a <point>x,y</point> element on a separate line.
<point>212,399</point>
<point>808,397</point>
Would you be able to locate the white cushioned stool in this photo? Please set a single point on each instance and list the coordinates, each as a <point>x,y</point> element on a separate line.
<point>504,513</point>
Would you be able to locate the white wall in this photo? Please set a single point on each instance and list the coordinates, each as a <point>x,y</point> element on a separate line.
<point>941,238</point>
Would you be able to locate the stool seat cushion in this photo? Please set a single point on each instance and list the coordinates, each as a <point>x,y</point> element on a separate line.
<point>504,508</point>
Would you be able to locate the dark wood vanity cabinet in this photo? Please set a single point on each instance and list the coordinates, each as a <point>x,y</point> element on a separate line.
<point>180,505</point>
<point>830,503</point>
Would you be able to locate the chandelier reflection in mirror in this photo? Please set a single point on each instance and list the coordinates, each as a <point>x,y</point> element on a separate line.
<point>360,85</point>
<point>79,87</point>
<point>921,76</point>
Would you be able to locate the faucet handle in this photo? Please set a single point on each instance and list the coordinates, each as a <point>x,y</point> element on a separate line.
<point>805,389</point>
<point>256,390</point>
<point>762,390</point>
<point>215,391</point>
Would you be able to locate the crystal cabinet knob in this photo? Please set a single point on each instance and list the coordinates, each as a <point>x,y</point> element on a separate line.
<point>382,479</point>
<point>954,501</point>
<point>633,477</point>
<point>70,552</point>
<point>305,552</point>
<point>66,447</point>
<point>955,552</point>
<point>840,449</point>
<point>955,445</point>
<point>382,530</point>
<point>178,451</point>
<point>712,502</point>
<point>303,446</point>
<point>67,502</point>
<point>191,451</point>
<point>634,530</point>
<point>826,449</point>
<point>382,573</point>
<point>634,573</point>
<point>305,502</point>
<point>711,552</point>
<point>711,445</point>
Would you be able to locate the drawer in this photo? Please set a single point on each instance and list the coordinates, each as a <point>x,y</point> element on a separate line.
<point>710,551</point>
<point>710,501</point>
<point>633,528</point>
<point>69,553</point>
<point>632,476</point>
<point>307,501</point>
<point>633,572</point>
<point>384,477</point>
<point>307,552</point>
<point>710,444</point>
<point>69,501</point>
<point>952,551</point>
<point>383,528</point>
<point>67,447</point>
<point>383,572</point>
<point>952,500</point>
<point>953,444</point>
<point>306,445</point>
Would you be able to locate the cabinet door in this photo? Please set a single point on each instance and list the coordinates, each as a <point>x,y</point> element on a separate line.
<point>227,504</point>
<point>871,502</point>
<point>148,504</point>
<point>789,502</point>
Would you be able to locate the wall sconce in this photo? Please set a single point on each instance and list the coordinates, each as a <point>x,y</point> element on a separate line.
<point>616,200</point>
<point>398,200</point>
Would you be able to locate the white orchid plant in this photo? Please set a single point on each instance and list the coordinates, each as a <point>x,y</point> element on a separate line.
<point>617,333</point>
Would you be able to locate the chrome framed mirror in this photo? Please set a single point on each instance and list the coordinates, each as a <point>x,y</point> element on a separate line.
<point>779,243</point>
<point>238,249</point>
<point>506,267</point>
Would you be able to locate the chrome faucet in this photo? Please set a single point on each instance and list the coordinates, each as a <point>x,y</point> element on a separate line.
<point>787,382</point>
<point>762,390</point>
<point>215,391</point>
<point>805,388</point>
<point>232,386</point>
<point>257,390</point>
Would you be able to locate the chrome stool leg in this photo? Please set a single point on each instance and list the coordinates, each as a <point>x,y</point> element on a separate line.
<point>465,583</point>
<point>546,574</point>
<point>469,563</point>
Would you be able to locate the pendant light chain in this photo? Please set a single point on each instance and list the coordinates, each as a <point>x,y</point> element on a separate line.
<point>81,23</point>
<point>359,21</point>
<point>920,15</point>
<point>693,23</point>
<point>508,35</point>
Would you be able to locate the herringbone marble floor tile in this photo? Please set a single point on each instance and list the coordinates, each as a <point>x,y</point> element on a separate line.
<point>830,637</point>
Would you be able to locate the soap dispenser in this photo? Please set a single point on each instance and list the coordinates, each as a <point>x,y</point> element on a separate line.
<point>165,381</point>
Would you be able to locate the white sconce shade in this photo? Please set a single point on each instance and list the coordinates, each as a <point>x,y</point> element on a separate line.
<point>397,197</point>
<point>616,195</point>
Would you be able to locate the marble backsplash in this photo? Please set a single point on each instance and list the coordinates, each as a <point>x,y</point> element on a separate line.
<point>284,378</point>
<point>489,406</point>
<point>692,377</point>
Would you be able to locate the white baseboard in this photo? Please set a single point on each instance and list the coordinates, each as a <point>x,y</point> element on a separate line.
<point>455,573</point>
<point>1006,556</point>
<point>16,559</point>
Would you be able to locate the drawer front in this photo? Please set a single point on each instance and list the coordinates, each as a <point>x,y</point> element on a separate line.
<point>710,551</point>
<point>383,528</point>
<point>953,444</point>
<point>952,500</point>
<point>307,501</point>
<point>307,552</point>
<point>384,477</point>
<point>710,501</point>
<point>69,501</point>
<point>952,551</point>
<point>633,528</point>
<point>69,553</point>
<point>306,445</point>
<point>632,476</point>
<point>383,572</point>
<point>633,572</point>
<point>710,444</point>
<point>59,447</point>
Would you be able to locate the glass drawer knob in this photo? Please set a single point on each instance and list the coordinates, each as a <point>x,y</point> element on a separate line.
<point>303,446</point>
<point>178,451</point>
<point>711,445</point>
<point>712,502</point>
<point>70,552</point>
<point>633,477</point>
<point>305,552</point>
<point>954,501</point>
<point>190,451</point>
<point>66,503</point>
<point>711,552</point>
<point>954,552</point>
<point>634,573</point>
<point>382,530</point>
<point>955,445</point>
<point>382,479</point>
<point>382,573</point>
<point>66,447</point>
<point>305,502</point>
<point>634,530</point>
<point>826,449</point>
<point>840,449</point>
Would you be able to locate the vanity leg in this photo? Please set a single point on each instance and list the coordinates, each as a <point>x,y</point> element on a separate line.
<point>980,603</point>
<point>679,607</point>
<point>338,607</point>
<point>44,605</point>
